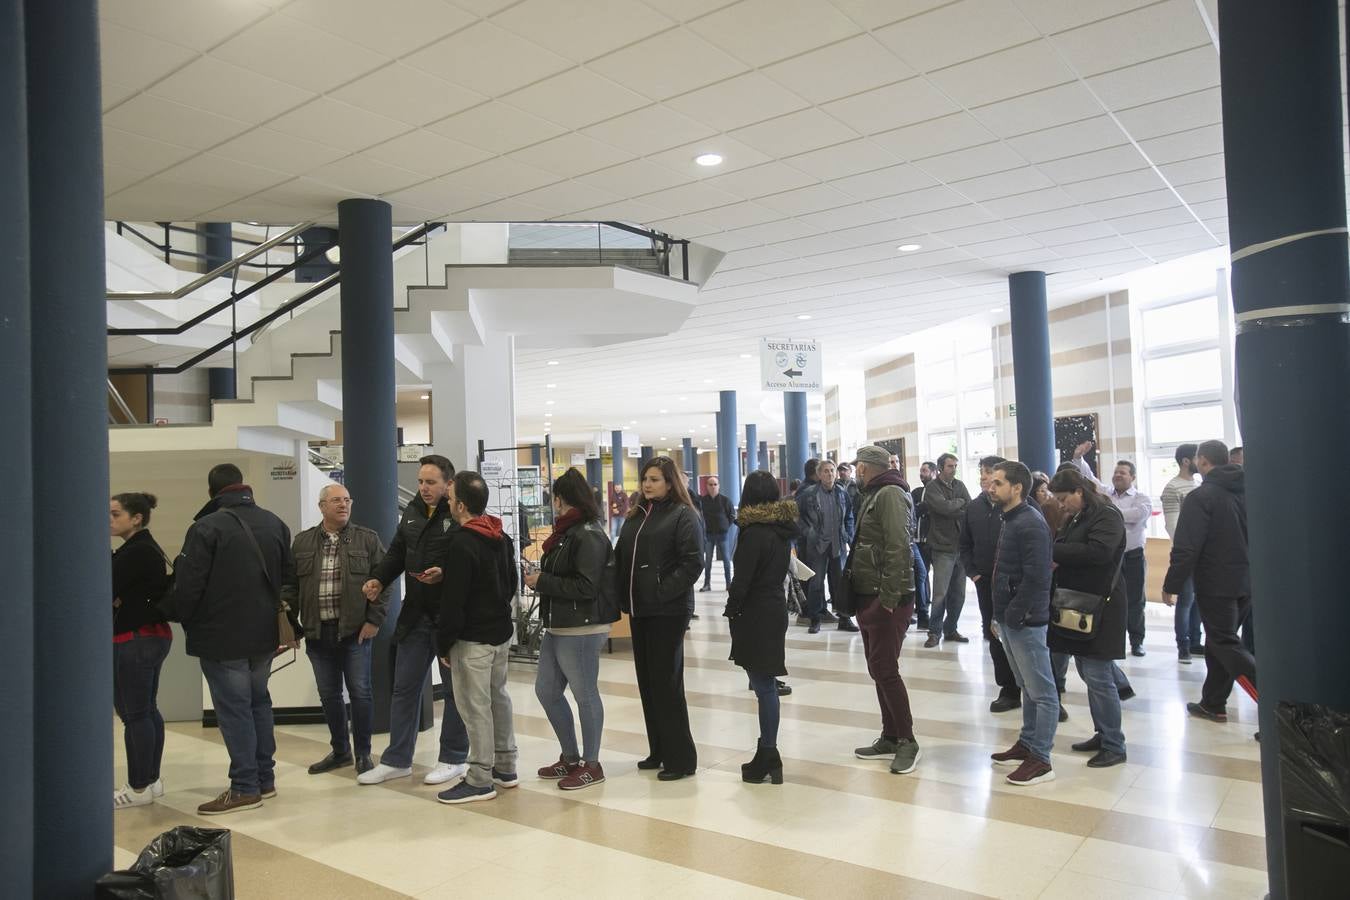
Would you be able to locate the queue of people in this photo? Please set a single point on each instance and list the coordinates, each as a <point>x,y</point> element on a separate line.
<point>1049,555</point>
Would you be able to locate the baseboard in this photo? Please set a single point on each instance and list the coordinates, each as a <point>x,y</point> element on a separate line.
<point>281,715</point>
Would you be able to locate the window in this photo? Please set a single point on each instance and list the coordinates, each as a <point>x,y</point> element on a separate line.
<point>942,411</point>
<point>1181,323</point>
<point>978,406</point>
<point>977,368</point>
<point>938,444</point>
<point>980,442</point>
<point>1170,426</point>
<point>1183,374</point>
<point>940,375</point>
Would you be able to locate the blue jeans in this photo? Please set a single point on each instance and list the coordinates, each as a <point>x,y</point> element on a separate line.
<point>949,592</point>
<point>334,660</point>
<point>136,665</point>
<point>1029,658</point>
<point>572,660</point>
<point>244,713</point>
<point>1060,662</point>
<point>711,543</point>
<point>827,568</point>
<point>766,689</point>
<point>923,594</point>
<point>414,656</point>
<point>1103,700</point>
<point>1187,619</point>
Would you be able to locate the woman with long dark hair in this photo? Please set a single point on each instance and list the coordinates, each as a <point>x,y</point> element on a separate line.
<point>757,609</point>
<point>576,611</point>
<point>659,559</point>
<point>141,640</point>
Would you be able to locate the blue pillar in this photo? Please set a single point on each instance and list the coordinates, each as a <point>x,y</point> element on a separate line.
<point>815,451</point>
<point>616,445</point>
<point>221,383</point>
<point>782,463</point>
<point>216,244</point>
<point>72,829</point>
<point>689,460</point>
<point>595,474</point>
<point>16,458</point>
<point>751,448</point>
<point>764,456</point>
<point>1291,279</point>
<point>795,430</point>
<point>1031,370</point>
<point>537,456</point>
<point>370,465</point>
<point>728,448</point>
<point>647,453</point>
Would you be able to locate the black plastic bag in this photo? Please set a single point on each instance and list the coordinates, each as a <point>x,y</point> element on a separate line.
<point>1315,761</point>
<point>184,863</point>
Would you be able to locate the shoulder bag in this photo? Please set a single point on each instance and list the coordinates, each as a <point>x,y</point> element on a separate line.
<point>285,631</point>
<point>1077,613</point>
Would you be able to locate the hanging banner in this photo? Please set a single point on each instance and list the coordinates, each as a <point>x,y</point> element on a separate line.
<point>789,364</point>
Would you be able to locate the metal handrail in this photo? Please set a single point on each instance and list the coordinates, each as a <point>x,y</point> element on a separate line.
<point>121,403</point>
<point>225,268</point>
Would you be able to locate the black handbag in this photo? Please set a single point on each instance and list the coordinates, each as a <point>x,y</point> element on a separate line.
<point>1077,613</point>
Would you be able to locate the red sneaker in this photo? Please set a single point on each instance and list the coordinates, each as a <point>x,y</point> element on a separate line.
<point>1033,771</point>
<point>1013,756</point>
<point>560,769</point>
<point>582,776</point>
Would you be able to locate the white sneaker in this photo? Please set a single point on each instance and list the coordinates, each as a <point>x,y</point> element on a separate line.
<point>382,773</point>
<point>445,772</point>
<point>157,789</point>
<point>125,798</point>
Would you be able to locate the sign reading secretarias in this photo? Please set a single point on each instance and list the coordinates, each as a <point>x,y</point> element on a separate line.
<point>790,364</point>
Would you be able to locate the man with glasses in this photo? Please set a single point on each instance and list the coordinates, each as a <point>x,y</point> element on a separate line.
<point>718,514</point>
<point>332,561</point>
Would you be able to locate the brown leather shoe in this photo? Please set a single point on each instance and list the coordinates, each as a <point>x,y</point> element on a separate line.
<point>229,802</point>
<point>583,776</point>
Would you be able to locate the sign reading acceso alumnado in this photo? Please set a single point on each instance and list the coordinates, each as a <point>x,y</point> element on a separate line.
<point>790,364</point>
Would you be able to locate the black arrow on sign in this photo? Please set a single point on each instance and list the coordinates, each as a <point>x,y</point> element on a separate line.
<point>793,373</point>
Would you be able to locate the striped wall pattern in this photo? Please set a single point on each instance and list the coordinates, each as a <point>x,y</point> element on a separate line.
<point>893,408</point>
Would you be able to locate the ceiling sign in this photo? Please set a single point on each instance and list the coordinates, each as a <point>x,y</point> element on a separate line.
<point>788,364</point>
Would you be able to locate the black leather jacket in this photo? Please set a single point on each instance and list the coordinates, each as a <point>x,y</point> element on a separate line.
<point>577,579</point>
<point>660,558</point>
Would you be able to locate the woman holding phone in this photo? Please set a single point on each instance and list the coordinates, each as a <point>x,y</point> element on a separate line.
<point>141,639</point>
<point>659,559</point>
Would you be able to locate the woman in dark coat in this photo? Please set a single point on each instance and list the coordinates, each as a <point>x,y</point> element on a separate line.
<point>659,559</point>
<point>757,609</point>
<point>1087,555</point>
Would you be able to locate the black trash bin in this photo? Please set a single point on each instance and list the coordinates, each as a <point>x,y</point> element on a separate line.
<point>1315,785</point>
<point>183,863</point>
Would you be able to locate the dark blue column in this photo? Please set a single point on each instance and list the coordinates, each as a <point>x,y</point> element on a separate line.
<point>764,456</point>
<point>815,451</point>
<point>616,448</point>
<point>72,688</point>
<point>595,474</point>
<point>1291,281</point>
<point>16,458</point>
<point>216,244</point>
<point>1031,370</point>
<point>728,448</point>
<point>369,438</point>
<point>647,452</point>
<point>795,430</point>
<point>689,460</point>
<point>782,463</point>
<point>221,383</point>
<point>537,456</point>
<point>751,448</point>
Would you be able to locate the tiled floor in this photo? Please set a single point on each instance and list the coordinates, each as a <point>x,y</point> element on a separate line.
<point>1182,819</point>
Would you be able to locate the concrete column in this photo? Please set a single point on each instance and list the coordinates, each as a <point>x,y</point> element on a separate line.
<point>474,398</point>
<point>647,453</point>
<point>783,462</point>
<point>616,460</point>
<point>595,475</point>
<point>216,244</point>
<point>536,455</point>
<point>1291,281</point>
<point>72,830</point>
<point>751,448</point>
<point>1030,320</point>
<point>795,430</point>
<point>689,460</point>
<point>764,456</point>
<point>728,448</point>
<point>221,383</point>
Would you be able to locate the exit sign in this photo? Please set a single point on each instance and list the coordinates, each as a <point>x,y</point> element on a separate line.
<point>1012,410</point>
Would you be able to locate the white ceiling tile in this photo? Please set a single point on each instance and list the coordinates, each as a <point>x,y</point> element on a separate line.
<point>631,211</point>
<point>851,216</point>
<point>956,217</point>
<point>1079,231</point>
<point>851,66</point>
<point>1019,70</point>
<point>735,155</point>
<point>1200,191</point>
<point>141,154</point>
<point>1173,215</point>
<point>1109,244</point>
<point>690,198</point>
<point>502,177</point>
<point>1073,139</point>
<point>1052,219</point>
<point>571,155</point>
<point>1159,79</point>
<point>298,54</point>
<point>799,132</point>
<point>738,101</point>
<point>173,123</point>
<point>407,95</point>
<point>1123,185</point>
<point>488,59</point>
<point>1003,184</point>
<point>338,124</point>
<point>841,160</point>
<point>738,215</point>
<point>1051,16</point>
<point>671,63</point>
<point>806,200</point>
<point>366,176</point>
<point>442,196</point>
<point>639,176</point>
<point>1134,37</point>
<point>876,13</point>
<point>496,127</point>
<point>1176,114</point>
<point>136,60</point>
<point>893,106</point>
<point>764,31</point>
<point>218,87</point>
<point>566,197</point>
<point>276,150</point>
<point>582,29</point>
<point>483,7</point>
<point>959,165</point>
<point>117,178</point>
<point>925,200</point>
<point>1097,164</point>
<point>165,199</point>
<point>649,130</point>
<point>1117,207</point>
<point>1204,168</point>
<point>115,93</point>
<point>943,135</point>
<point>1043,109</point>
<point>1204,141</point>
<point>214,171</point>
<point>742,259</point>
<point>689,10</point>
<point>1029,202</point>
<point>199,24</point>
<point>1002,247</point>
<point>956,33</point>
<point>576,98</point>
<point>505,211</point>
<point>426,153</point>
<point>391,27</point>
<point>885,182</point>
<point>758,181</point>
<point>1188,231</point>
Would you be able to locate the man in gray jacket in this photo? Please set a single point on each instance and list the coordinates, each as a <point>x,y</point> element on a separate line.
<point>944,503</point>
<point>332,560</point>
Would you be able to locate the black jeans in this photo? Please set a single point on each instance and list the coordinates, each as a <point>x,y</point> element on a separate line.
<point>826,568</point>
<point>658,657</point>
<point>1003,673</point>
<point>1225,657</point>
<point>1132,567</point>
<point>136,666</point>
<point>336,660</point>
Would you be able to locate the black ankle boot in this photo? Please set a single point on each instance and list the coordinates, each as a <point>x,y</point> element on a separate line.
<point>767,762</point>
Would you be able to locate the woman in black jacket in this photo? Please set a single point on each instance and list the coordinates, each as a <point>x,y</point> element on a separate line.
<point>141,639</point>
<point>659,559</point>
<point>1087,555</point>
<point>576,609</point>
<point>757,608</point>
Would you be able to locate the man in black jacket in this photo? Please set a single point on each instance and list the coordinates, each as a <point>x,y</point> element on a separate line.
<point>418,553</point>
<point>923,590</point>
<point>473,638</point>
<point>718,514</point>
<point>227,581</point>
<point>1210,546</point>
<point>979,540</point>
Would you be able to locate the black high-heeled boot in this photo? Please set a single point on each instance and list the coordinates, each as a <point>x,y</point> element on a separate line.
<point>767,762</point>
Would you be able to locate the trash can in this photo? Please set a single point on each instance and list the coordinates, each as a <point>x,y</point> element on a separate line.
<point>1315,786</point>
<point>183,863</point>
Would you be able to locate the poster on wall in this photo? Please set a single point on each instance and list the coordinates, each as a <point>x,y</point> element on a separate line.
<point>896,446</point>
<point>1070,431</point>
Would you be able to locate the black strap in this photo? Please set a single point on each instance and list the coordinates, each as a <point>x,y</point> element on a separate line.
<point>254,542</point>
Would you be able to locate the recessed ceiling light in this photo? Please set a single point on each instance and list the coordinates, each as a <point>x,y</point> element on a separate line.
<point>548,415</point>
<point>552,362</point>
<point>707,381</point>
<point>426,396</point>
<point>684,398</point>
<point>804,316</point>
<point>745,356</point>
<point>663,437</point>
<point>691,431</point>
<point>663,411</point>
<point>548,402</point>
<point>633,422</point>
<point>996,309</point>
<point>550,385</point>
<point>708,159</point>
<point>909,248</point>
